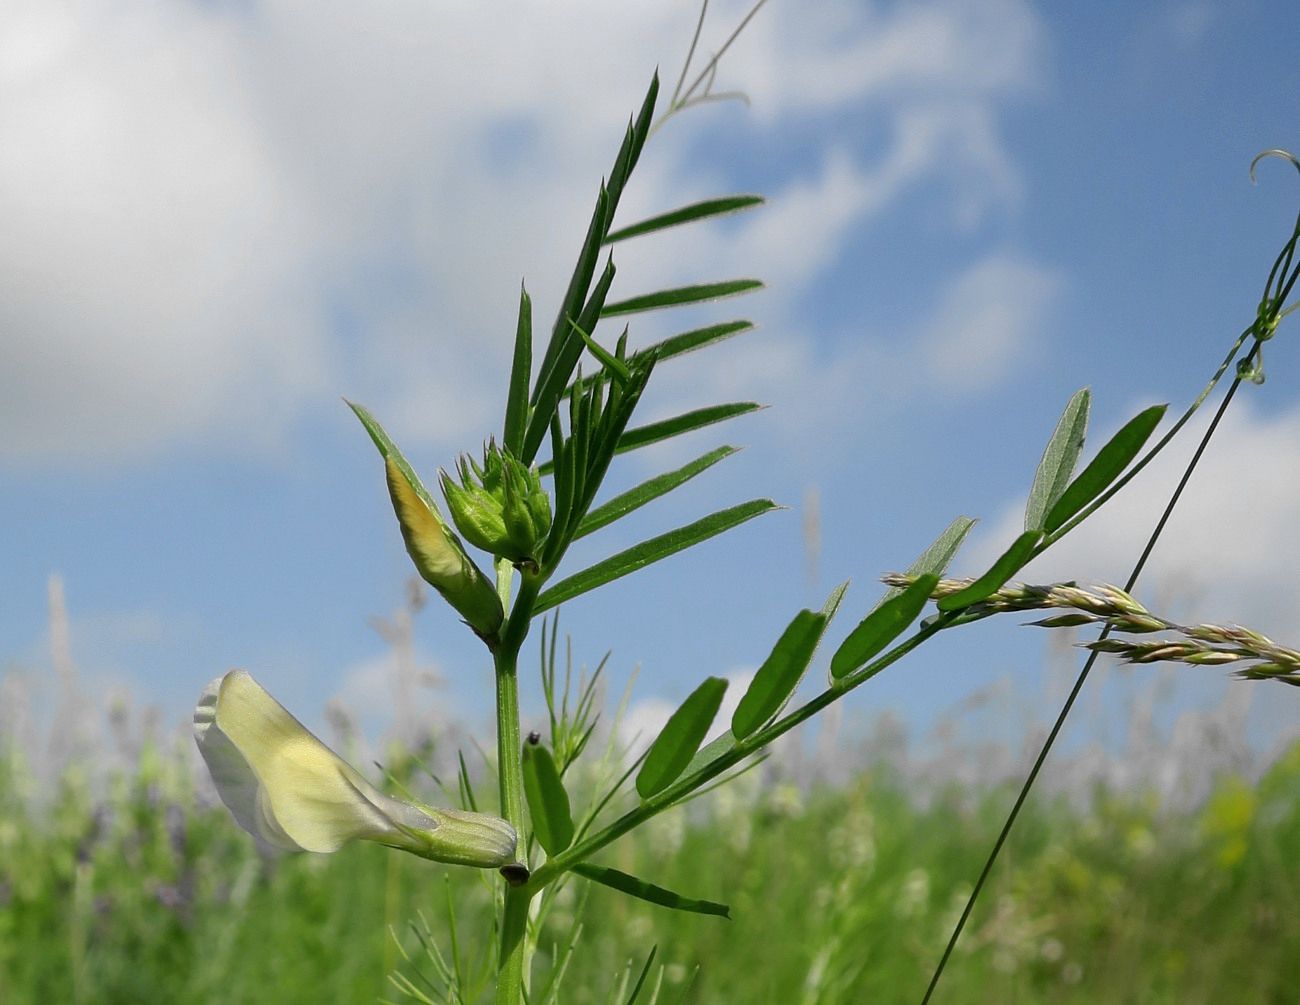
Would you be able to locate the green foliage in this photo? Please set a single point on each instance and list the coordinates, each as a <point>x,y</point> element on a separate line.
<point>651,551</point>
<point>680,738</point>
<point>548,803</point>
<point>775,681</point>
<point>648,892</point>
<point>648,491</point>
<point>682,296</point>
<point>687,214</point>
<point>879,628</point>
<point>140,891</point>
<point>504,508</point>
<point>1059,458</point>
<point>1008,564</point>
<point>1108,465</point>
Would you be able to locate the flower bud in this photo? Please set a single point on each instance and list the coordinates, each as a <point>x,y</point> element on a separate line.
<point>439,557</point>
<point>499,506</point>
<point>292,792</point>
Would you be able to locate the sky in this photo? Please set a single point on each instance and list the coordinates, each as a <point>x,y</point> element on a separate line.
<point>222,217</point>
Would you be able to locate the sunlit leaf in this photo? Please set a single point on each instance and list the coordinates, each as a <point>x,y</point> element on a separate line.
<point>936,558</point>
<point>648,552</point>
<point>1109,464</point>
<point>677,425</point>
<point>687,422</point>
<point>520,375</point>
<point>681,737</point>
<point>710,752</point>
<point>698,338</point>
<point>548,803</point>
<point>1010,562</point>
<point>682,295</point>
<point>642,890</point>
<point>387,448</point>
<point>687,214</point>
<point>624,503</point>
<point>690,341</point>
<point>879,628</point>
<point>775,681</point>
<point>1059,458</point>
<point>616,367</point>
<point>551,383</point>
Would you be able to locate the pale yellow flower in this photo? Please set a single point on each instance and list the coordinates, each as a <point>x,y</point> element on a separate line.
<point>290,791</point>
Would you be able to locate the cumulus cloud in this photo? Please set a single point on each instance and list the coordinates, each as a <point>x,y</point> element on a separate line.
<point>989,320</point>
<point>220,216</point>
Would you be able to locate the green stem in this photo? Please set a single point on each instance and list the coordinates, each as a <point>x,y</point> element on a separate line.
<point>514,942</point>
<point>512,963</point>
<point>672,795</point>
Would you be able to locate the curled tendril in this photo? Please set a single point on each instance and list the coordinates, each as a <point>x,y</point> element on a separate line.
<point>1285,155</point>
<point>1281,280</point>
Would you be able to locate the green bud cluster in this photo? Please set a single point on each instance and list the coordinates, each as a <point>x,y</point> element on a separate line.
<point>499,505</point>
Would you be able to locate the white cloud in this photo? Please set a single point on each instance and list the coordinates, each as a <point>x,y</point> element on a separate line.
<point>846,52</point>
<point>201,203</point>
<point>990,319</point>
<point>987,323</point>
<point>153,248</point>
<point>1230,552</point>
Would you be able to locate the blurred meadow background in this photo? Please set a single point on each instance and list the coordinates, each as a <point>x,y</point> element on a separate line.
<point>220,217</point>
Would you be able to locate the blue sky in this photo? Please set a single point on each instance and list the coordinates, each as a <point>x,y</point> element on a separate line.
<point>222,218</point>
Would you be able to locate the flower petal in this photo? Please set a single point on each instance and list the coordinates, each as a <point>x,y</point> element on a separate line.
<point>292,792</point>
<point>306,796</point>
<point>234,778</point>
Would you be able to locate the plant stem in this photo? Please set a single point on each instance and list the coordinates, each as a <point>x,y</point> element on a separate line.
<point>509,764</point>
<point>511,965</point>
<point>671,796</point>
<point>514,927</point>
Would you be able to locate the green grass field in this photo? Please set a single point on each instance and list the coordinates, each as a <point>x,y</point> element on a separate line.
<point>846,894</point>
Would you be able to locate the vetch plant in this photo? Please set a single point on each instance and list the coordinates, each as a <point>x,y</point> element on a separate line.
<point>537,489</point>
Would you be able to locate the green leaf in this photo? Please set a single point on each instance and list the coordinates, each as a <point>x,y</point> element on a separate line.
<point>521,372</point>
<point>1109,464</point>
<point>602,217</point>
<point>710,752</point>
<point>575,294</point>
<point>551,384</point>
<point>645,972</point>
<point>936,558</point>
<point>782,671</point>
<point>1059,459</point>
<point>681,738</point>
<point>617,368</point>
<point>639,888</point>
<point>630,152</point>
<point>879,628</point>
<point>687,422</point>
<point>1011,561</point>
<point>687,214</point>
<point>387,448</point>
<point>548,803</point>
<point>697,338</point>
<point>666,429</point>
<point>648,552</point>
<point>682,295</point>
<point>467,797</point>
<point>623,504</point>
